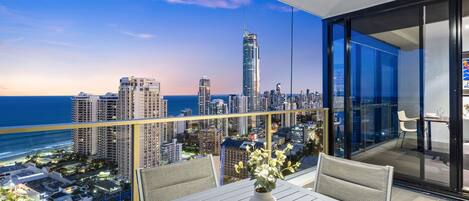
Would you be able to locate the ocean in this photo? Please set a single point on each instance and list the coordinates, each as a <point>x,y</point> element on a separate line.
<point>33,110</point>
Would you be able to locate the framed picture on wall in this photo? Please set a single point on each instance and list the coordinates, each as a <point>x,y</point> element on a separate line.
<point>465,73</point>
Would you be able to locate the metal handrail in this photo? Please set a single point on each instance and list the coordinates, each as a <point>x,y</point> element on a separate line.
<point>136,123</point>
<point>65,126</point>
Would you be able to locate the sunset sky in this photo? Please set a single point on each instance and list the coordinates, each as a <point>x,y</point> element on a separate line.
<point>62,47</point>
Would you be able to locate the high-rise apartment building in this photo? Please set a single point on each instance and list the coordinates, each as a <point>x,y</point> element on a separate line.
<point>218,107</point>
<point>209,141</point>
<point>288,120</point>
<point>96,142</point>
<point>251,78</point>
<point>204,95</point>
<point>107,136</point>
<point>171,152</point>
<point>233,152</point>
<point>238,104</point>
<point>139,98</point>
<point>84,109</point>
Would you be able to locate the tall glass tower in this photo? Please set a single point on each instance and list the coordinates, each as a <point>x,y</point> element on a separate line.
<point>204,95</point>
<point>251,70</point>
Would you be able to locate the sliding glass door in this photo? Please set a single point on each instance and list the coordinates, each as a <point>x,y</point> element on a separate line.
<point>391,78</point>
<point>386,72</point>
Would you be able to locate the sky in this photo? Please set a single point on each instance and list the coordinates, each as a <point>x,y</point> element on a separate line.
<point>63,47</point>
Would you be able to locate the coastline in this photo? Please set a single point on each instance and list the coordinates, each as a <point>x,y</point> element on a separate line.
<point>21,156</point>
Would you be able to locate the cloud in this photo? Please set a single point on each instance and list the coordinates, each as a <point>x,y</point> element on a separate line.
<point>281,8</point>
<point>17,19</point>
<point>57,29</point>
<point>4,11</point>
<point>14,40</point>
<point>113,25</point>
<point>145,36</point>
<point>10,41</point>
<point>63,44</point>
<point>227,4</point>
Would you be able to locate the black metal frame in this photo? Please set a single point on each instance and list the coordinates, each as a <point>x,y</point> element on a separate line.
<point>456,92</point>
<point>348,110</point>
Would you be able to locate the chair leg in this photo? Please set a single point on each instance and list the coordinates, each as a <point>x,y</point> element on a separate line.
<point>403,137</point>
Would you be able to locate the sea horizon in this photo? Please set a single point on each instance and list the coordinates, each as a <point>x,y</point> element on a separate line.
<point>35,110</point>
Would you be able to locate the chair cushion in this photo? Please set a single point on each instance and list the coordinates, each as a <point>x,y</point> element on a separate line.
<point>173,181</point>
<point>344,190</point>
<point>179,190</point>
<point>351,180</point>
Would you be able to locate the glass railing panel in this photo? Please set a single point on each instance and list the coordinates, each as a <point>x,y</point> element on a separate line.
<point>242,132</point>
<point>304,131</point>
<point>41,165</point>
<point>100,162</point>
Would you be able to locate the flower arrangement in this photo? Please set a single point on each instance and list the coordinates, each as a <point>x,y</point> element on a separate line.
<point>265,169</point>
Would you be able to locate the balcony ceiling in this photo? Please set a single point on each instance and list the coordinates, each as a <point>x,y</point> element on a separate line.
<point>331,8</point>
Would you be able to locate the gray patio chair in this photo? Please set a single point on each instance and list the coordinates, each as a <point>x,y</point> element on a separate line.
<point>351,180</point>
<point>402,117</point>
<point>176,180</point>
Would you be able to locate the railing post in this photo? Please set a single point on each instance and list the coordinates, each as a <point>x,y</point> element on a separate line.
<point>135,160</point>
<point>268,134</point>
<point>325,130</point>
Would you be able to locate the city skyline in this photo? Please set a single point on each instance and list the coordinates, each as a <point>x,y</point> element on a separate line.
<point>74,53</point>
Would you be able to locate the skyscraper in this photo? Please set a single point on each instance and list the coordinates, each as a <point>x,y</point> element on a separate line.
<point>139,98</point>
<point>251,77</point>
<point>204,95</point>
<point>218,107</point>
<point>238,104</point>
<point>84,109</point>
<point>97,142</point>
<point>107,111</point>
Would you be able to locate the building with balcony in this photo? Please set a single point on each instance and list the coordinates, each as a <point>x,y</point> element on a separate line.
<point>107,136</point>
<point>84,109</point>
<point>96,142</point>
<point>139,98</point>
<point>233,152</point>
<point>209,141</point>
<point>238,104</point>
<point>171,152</point>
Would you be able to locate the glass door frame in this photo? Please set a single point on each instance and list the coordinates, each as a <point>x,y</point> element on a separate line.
<point>455,80</point>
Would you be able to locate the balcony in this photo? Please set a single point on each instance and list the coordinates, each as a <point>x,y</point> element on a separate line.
<point>395,92</point>
<point>66,171</point>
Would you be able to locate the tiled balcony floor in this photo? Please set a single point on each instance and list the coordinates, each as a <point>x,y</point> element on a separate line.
<point>407,161</point>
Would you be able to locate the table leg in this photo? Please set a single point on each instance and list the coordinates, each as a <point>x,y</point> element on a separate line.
<point>420,137</point>
<point>429,140</point>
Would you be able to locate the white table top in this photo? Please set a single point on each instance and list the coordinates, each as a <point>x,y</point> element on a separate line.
<point>243,190</point>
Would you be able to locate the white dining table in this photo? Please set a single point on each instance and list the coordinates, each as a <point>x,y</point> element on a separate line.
<point>243,190</point>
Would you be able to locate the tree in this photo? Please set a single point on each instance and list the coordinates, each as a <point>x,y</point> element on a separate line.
<point>9,195</point>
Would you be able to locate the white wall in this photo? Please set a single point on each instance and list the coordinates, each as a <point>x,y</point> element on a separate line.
<point>436,62</point>
<point>436,51</point>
